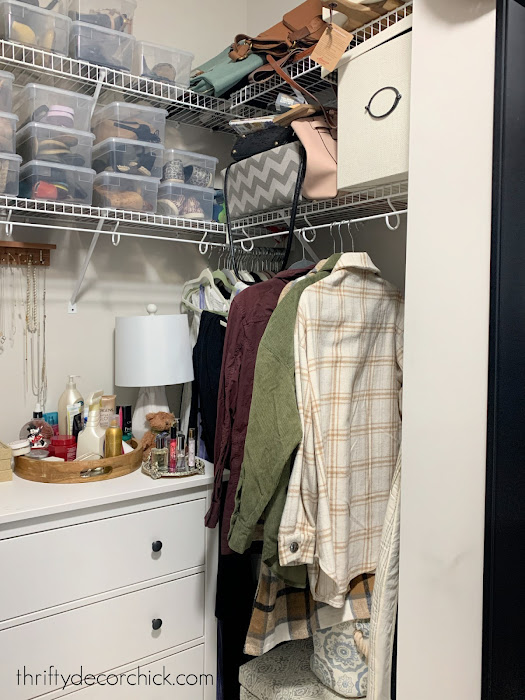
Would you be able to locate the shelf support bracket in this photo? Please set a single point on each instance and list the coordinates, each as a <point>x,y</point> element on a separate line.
<point>72,306</point>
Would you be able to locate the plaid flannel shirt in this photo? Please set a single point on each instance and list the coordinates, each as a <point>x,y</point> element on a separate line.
<point>348,356</point>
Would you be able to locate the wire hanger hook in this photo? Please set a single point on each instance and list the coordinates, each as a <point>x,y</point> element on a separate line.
<point>204,246</point>
<point>115,237</point>
<point>308,240</point>
<point>398,218</point>
<point>243,246</point>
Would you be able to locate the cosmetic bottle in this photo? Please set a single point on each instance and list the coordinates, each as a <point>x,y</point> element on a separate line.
<point>37,431</point>
<point>173,450</point>
<point>191,449</point>
<point>52,419</point>
<point>113,445</point>
<point>91,439</point>
<point>69,405</point>
<point>159,455</point>
<point>182,466</point>
<point>107,410</point>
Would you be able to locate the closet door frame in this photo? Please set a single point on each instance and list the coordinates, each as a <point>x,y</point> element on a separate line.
<point>503,674</point>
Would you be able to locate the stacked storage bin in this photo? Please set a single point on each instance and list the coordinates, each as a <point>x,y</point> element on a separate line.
<point>55,144</point>
<point>9,162</point>
<point>46,27</point>
<point>103,36</point>
<point>162,63</point>
<point>128,156</point>
<point>187,183</point>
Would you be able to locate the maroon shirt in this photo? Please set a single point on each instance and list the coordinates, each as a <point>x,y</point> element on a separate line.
<point>248,317</point>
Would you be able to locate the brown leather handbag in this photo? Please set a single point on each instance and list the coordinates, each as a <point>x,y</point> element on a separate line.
<point>301,28</point>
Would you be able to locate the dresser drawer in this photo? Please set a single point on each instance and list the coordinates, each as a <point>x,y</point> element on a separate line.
<point>70,563</point>
<point>177,677</point>
<point>101,636</point>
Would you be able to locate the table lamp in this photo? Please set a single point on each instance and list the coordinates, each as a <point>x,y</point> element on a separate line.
<point>150,352</point>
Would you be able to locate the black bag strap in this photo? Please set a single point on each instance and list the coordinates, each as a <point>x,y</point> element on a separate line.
<point>293,212</point>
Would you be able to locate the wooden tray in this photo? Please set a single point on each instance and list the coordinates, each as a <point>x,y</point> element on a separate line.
<point>78,472</point>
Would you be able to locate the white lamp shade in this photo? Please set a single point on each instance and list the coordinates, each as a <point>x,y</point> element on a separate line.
<point>152,350</point>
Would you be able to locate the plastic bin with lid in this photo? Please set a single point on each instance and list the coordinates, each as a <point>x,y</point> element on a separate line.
<point>56,183</point>
<point>37,141</point>
<point>119,17</point>
<point>129,192</point>
<point>9,172</point>
<point>27,24</point>
<point>186,201</point>
<point>8,122</point>
<point>105,47</point>
<point>162,63</point>
<point>189,168</point>
<point>6,91</point>
<point>122,120</point>
<point>54,106</point>
<point>128,157</point>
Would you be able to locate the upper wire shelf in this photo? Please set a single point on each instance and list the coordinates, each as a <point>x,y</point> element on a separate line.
<point>185,106</point>
<point>307,73</point>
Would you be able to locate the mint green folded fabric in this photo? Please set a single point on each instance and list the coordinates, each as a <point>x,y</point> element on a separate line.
<point>221,74</point>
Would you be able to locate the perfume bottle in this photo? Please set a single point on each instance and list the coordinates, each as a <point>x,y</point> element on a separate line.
<point>191,449</point>
<point>159,455</point>
<point>182,467</point>
<point>173,450</point>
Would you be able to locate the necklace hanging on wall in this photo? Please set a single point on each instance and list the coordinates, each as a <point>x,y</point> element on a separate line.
<point>34,331</point>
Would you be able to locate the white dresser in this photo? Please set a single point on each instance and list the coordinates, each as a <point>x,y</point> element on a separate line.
<point>109,577</point>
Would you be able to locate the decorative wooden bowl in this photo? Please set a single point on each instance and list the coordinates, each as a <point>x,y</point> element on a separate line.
<point>78,472</point>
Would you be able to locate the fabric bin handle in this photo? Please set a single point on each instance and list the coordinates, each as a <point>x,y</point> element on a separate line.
<point>397,99</point>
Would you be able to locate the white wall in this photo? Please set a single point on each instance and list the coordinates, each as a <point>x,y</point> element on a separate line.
<point>119,281</point>
<point>446,348</point>
<point>263,15</point>
<point>205,28</point>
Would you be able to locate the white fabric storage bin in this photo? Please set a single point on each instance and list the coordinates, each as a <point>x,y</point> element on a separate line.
<point>373,150</point>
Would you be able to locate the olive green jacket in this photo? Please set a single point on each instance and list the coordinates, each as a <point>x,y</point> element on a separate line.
<point>273,435</point>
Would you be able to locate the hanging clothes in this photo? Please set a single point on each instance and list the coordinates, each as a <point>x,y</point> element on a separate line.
<point>384,601</point>
<point>204,298</point>
<point>274,432</point>
<point>282,613</point>
<point>247,321</point>
<point>348,345</point>
<point>207,362</point>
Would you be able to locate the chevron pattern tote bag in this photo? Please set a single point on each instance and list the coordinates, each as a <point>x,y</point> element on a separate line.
<point>264,181</point>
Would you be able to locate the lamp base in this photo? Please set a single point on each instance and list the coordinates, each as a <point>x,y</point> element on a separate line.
<point>151,399</point>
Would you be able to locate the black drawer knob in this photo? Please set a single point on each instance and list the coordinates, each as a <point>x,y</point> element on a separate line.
<point>156,624</point>
<point>156,546</point>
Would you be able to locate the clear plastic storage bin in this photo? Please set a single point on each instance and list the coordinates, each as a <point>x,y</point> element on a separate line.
<point>162,63</point>
<point>128,121</point>
<point>53,106</point>
<point>189,168</point>
<point>129,192</point>
<point>6,91</point>
<point>37,141</point>
<point>119,17</point>
<point>9,171</point>
<point>8,123</point>
<point>186,201</point>
<point>104,47</point>
<point>56,183</point>
<point>128,157</point>
<point>27,24</point>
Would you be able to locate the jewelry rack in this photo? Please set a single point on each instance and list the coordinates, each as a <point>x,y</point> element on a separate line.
<point>18,253</point>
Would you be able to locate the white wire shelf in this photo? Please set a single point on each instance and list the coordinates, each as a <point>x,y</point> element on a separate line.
<point>362,204</point>
<point>37,213</point>
<point>76,217</point>
<point>308,73</point>
<point>185,106</point>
